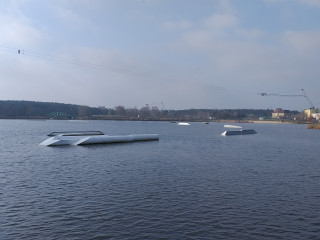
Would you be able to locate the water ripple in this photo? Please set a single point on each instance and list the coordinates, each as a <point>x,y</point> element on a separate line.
<point>192,184</point>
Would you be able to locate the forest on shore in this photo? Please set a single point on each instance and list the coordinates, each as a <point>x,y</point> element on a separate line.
<point>51,110</point>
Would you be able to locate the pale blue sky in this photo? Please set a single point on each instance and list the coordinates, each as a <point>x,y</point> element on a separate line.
<point>184,53</point>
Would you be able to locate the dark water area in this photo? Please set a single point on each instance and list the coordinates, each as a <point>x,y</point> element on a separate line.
<point>191,184</point>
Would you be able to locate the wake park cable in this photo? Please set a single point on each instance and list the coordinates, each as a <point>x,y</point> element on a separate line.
<point>49,57</point>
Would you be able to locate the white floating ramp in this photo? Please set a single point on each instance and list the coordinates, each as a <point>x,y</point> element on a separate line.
<point>93,137</point>
<point>232,126</point>
<point>183,124</point>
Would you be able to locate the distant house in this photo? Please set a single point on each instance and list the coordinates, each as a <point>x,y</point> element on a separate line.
<point>280,113</point>
<point>316,116</point>
<point>309,112</point>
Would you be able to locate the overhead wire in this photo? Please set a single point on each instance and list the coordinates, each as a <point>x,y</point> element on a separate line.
<point>78,62</point>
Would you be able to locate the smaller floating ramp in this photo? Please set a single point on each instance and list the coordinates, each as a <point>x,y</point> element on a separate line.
<point>93,137</point>
<point>232,126</point>
<point>239,132</point>
<point>183,124</point>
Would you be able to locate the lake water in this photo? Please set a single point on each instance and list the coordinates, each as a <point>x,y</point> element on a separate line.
<point>191,184</point>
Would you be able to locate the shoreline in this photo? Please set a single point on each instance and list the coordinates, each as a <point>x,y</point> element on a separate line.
<point>274,122</point>
<point>162,120</point>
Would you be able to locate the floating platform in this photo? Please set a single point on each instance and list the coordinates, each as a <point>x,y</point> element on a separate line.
<point>183,124</point>
<point>232,126</point>
<point>93,137</point>
<point>313,126</point>
<point>239,132</point>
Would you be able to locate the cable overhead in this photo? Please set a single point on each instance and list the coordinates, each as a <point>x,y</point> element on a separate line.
<point>78,62</point>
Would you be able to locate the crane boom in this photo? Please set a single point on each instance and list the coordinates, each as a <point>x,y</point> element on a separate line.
<point>306,96</point>
<point>291,95</point>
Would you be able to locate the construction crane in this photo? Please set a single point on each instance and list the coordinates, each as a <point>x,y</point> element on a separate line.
<point>163,107</point>
<point>291,95</point>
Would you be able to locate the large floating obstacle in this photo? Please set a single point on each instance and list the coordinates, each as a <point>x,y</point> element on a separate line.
<point>93,137</point>
<point>238,132</point>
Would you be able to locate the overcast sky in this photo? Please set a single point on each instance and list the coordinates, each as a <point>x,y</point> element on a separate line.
<point>182,53</point>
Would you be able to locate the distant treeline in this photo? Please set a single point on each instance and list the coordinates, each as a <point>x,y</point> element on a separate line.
<point>46,110</point>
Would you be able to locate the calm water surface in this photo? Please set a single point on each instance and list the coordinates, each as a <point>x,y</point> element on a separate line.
<point>192,184</point>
